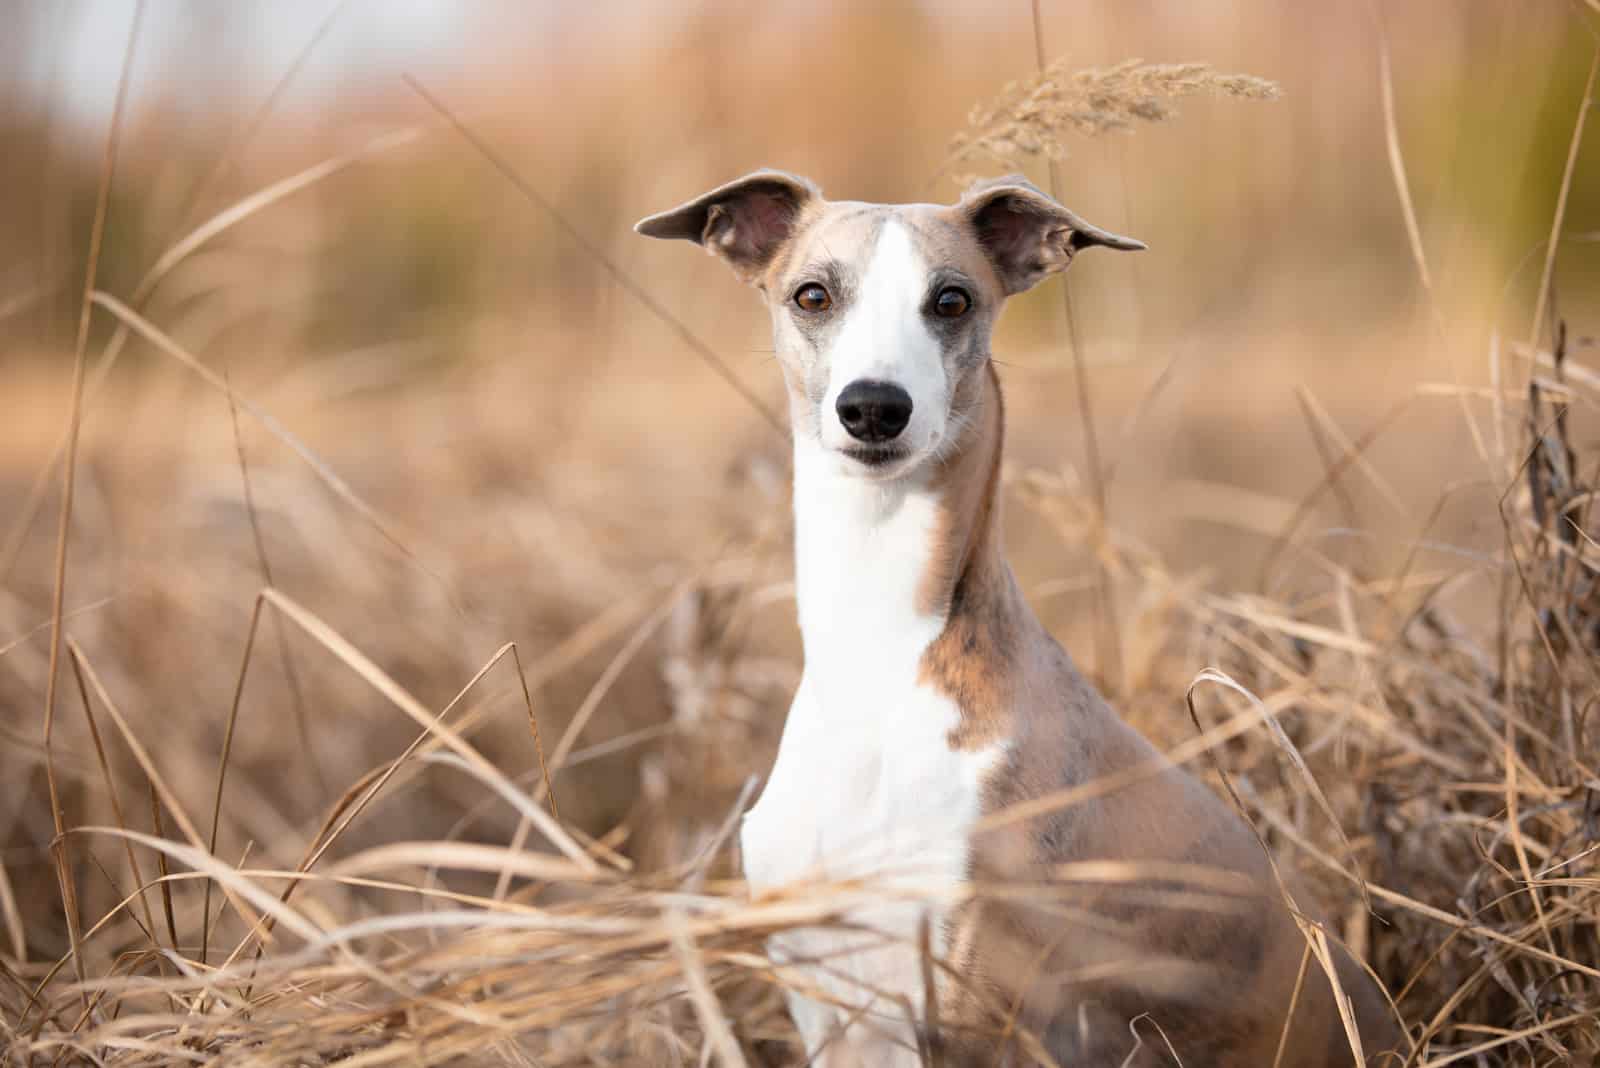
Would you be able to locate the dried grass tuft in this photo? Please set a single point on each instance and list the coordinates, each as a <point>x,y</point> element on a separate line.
<point>1032,117</point>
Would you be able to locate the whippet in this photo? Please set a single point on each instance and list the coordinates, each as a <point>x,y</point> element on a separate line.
<point>933,700</point>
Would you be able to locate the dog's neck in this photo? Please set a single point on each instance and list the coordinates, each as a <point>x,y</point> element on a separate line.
<point>880,567</point>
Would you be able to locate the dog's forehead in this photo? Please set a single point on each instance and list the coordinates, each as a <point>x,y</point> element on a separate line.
<point>847,232</point>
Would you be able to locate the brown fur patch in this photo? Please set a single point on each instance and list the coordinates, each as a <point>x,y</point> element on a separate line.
<point>822,225</point>
<point>974,658</point>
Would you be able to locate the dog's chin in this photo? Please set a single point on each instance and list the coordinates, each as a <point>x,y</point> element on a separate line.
<point>876,463</point>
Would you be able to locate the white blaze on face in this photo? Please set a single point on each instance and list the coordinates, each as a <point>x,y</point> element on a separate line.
<point>885,338</point>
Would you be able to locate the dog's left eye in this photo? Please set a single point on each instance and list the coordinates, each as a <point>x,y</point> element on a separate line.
<point>951,303</point>
<point>812,298</point>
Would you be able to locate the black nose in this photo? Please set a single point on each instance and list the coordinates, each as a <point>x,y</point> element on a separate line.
<point>874,411</point>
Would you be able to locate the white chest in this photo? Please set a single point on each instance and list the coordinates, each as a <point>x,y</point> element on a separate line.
<point>865,782</point>
<point>867,789</point>
<point>866,785</point>
<point>876,792</point>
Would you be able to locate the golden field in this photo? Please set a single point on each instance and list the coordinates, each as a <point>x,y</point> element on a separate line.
<point>393,379</point>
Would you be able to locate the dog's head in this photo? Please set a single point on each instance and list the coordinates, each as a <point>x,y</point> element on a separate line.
<point>881,311</point>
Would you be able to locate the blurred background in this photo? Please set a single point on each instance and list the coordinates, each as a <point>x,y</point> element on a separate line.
<point>541,460</point>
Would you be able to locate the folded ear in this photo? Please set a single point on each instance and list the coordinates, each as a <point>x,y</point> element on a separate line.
<point>745,222</point>
<point>1027,235</point>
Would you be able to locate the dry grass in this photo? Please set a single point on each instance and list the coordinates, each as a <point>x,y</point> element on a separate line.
<point>316,822</point>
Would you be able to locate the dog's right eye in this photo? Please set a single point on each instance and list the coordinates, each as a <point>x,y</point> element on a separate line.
<point>812,298</point>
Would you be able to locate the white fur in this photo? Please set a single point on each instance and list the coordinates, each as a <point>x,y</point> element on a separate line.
<point>885,338</point>
<point>865,783</point>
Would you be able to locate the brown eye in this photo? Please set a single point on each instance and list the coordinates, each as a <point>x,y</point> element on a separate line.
<point>951,303</point>
<point>812,298</point>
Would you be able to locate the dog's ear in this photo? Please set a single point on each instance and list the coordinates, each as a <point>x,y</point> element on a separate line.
<point>1027,235</point>
<point>745,222</point>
